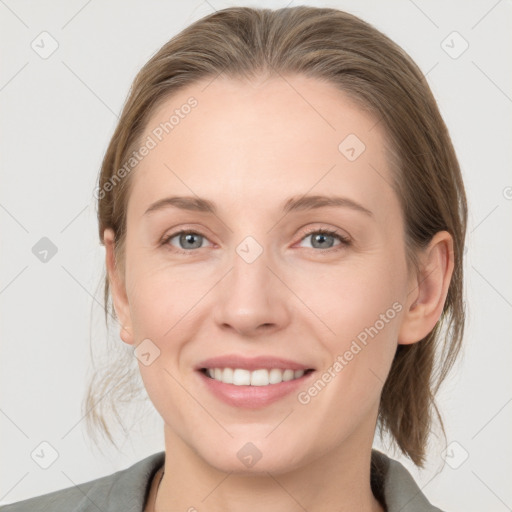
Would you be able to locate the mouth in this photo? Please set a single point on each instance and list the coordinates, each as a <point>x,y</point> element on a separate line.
<point>259,377</point>
<point>253,382</point>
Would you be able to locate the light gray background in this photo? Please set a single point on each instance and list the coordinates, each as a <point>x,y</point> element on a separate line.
<point>57,115</point>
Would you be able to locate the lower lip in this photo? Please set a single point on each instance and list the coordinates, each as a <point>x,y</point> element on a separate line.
<point>252,397</point>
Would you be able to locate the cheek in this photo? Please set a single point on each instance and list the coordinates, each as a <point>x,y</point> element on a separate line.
<point>162,297</point>
<point>360,307</point>
<point>162,311</point>
<point>363,307</point>
<point>352,297</point>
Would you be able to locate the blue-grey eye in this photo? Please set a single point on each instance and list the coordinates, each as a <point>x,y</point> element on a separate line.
<point>324,238</point>
<point>186,240</point>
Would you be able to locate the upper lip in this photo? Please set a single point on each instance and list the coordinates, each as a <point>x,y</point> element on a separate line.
<point>251,363</point>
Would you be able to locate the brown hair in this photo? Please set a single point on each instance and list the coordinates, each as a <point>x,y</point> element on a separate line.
<point>337,47</point>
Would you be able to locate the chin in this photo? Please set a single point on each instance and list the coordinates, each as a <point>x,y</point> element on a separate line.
<point>244,457</point>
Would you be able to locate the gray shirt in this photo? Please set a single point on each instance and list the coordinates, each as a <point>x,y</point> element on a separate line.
<point>127,490</point>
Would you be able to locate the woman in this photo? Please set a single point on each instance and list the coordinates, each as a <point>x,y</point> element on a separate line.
<point>284,219</point>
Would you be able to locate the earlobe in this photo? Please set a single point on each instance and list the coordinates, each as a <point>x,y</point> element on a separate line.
<point>429,289</point>
<point>117,288</point>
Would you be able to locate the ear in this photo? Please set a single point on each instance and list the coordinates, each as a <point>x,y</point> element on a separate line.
<point>428,289</point>
<point>117,288</point>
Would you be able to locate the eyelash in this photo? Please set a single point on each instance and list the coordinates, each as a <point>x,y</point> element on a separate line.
<point>344,241</point>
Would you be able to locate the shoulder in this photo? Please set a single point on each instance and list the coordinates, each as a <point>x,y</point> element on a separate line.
<point>124,490</point>
<point>397,486</point>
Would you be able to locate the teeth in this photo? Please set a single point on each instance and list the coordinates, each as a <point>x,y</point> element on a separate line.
<point>263,377</point>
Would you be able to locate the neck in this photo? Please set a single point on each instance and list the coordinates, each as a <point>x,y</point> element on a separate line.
<point>335,481</point>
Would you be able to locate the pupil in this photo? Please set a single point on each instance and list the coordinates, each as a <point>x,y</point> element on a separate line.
<point>320,238</point>
<point>191,240</point>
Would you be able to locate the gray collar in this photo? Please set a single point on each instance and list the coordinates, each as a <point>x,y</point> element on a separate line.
<point>401,493</point>
<point>127,490</point>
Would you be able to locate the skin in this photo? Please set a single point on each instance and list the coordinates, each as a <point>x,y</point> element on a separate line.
<point>248,147</point>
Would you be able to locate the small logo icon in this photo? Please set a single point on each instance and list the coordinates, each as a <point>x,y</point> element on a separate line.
<point>455,455</point>
<point>44,250</point>
<point>146,352</point>
<point>44,45</point>
<point>454,45</point>
<point>249,455</point>
<point>351,147</point>
<point>249,249</point>
<point>44,454</point>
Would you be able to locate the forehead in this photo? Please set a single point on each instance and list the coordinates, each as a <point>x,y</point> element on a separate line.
<point>236,141</point>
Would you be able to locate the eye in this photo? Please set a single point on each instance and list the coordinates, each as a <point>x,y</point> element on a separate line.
<point>187,241</point>
<point>323,239</point>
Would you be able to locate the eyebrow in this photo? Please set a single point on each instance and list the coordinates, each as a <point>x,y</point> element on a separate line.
<point>303,203</point>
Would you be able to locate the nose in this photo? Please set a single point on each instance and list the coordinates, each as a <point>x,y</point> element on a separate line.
<point>252,299</point>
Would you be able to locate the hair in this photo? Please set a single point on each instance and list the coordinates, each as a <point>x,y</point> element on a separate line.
<point>341,49</point>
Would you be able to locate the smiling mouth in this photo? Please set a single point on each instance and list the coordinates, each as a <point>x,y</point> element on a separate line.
<point>260,377</point>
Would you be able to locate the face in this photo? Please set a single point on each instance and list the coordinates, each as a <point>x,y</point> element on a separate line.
<point>272,271</point>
